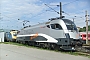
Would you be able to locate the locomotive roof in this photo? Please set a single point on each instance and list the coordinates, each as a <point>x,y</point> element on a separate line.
<point>65,20</point>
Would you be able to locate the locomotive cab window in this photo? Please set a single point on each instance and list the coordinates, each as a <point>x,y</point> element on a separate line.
<point>70,25</point>
<point>14,34</point>
<point>56,26</point>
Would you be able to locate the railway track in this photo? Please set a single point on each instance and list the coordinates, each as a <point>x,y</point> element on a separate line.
<point>84,50</point>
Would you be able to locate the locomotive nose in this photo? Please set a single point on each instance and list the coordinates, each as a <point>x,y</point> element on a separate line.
<point>74,35</point>
<point>76,42</point>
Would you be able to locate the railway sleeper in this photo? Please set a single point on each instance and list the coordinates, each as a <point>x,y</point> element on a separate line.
<point>83,49</point>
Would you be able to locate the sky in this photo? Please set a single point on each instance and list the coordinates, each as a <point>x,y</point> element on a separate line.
<point>13,13</point>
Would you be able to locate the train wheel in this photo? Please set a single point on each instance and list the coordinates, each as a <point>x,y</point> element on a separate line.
<point>56,47</point>
<point>49,46</point>
<point>19,41</point>
<point>16,41</point>
<point>34,44</point>
<point>28,43</point>
<point>45,45</point>
<point>23,42</point>
<point>41,45</point>
<point>52,46</point>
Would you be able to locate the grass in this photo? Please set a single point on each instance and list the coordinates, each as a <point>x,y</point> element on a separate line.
<point>68,52</point>
<point>18,44</point>
<point>79,54</point>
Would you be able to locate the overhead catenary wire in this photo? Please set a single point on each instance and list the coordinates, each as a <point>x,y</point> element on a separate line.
<point>70,2</point>
<point>63,5</point>
<point>52,9</point>
<point>55,10</point>
<point>7,21</point>
<point>7,17</point>
<point>39,14</point>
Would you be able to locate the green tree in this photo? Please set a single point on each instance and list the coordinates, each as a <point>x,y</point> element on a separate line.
<point>81,30</point>
<point>84,29</point>
<point>89,28</point>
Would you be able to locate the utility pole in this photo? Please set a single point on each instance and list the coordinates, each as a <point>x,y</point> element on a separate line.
<point>86,27</point>
<point>60,10</point>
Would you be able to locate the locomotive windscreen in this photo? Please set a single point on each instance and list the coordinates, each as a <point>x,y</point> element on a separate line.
<point>70,25</point>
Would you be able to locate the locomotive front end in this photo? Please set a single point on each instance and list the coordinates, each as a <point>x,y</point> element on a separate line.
<point>73,33</point>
